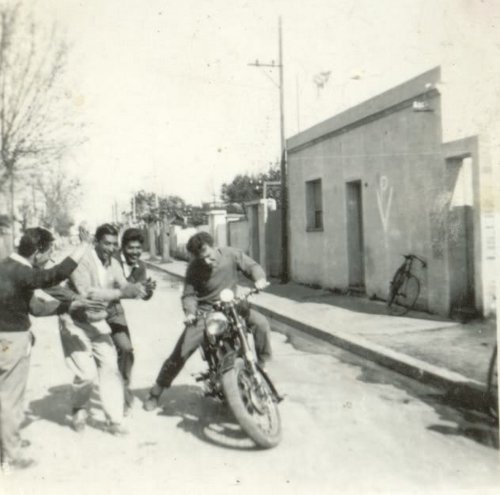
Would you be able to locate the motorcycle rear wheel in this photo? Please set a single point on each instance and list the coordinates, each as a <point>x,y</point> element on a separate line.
<point>256,412</point>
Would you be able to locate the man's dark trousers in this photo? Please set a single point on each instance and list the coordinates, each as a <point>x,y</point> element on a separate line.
<point>121,338</point>
<point>192,337</point>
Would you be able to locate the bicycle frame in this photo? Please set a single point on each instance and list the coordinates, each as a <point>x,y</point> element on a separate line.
<point>405,287</point>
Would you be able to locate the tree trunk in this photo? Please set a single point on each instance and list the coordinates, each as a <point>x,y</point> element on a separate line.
<point>165,240</point>
<point>152,240</point>
<point>12,210</point>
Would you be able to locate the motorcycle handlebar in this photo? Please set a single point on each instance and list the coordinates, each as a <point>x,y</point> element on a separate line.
<point>199,313</point>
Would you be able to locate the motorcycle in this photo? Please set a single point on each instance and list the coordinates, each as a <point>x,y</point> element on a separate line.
<point>234,375</point>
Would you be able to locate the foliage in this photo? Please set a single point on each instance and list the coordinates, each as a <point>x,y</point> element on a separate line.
<point>60,192</point>
<point>250,187</point>
<point>150,207</point>
<point>34,117</point>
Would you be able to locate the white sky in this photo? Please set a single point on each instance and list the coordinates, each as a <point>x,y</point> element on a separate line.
<point>172,105</point>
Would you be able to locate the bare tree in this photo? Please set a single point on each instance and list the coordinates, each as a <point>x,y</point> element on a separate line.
<point>33,121</point>
<point>60,192</point>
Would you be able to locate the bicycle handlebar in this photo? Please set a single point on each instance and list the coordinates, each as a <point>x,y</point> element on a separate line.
<point>413,256</point>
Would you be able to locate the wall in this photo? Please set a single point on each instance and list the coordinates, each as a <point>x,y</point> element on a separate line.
<point>238,235</point>
<point>179,238</point>
<point>273,243</point>
<point>395,152</point>
<point>476,177</point>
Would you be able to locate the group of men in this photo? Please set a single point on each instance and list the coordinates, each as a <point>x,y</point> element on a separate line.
<point>86,289</point>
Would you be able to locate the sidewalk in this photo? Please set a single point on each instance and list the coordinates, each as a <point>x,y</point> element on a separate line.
<point>428,348</point>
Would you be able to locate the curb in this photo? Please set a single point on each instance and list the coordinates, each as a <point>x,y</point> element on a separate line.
<point>457,386</point>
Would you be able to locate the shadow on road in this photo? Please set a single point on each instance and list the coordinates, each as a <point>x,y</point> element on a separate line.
<point>471,420</point>
<point>204,417</point>
<point>56,407</point>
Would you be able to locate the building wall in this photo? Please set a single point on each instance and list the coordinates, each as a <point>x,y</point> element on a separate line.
<point>238,235</point>
<point>396,153</point>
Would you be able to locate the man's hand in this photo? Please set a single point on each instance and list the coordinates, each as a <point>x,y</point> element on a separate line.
<point>85,244</point>
<point>133,291</point>
<point>84,233</point>
<point>149,286</point>
<point>261,284</point>
<point>82,303</point>
<point>190,320</point>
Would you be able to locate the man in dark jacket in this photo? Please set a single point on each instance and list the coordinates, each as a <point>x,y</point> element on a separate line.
<point>19,278</point>
<point>135,271</point>
<point>210,271</point>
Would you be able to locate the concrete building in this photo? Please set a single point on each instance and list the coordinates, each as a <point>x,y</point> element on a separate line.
<point>377,181</point>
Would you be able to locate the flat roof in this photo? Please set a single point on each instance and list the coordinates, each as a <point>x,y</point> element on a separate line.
<point>390,98</point>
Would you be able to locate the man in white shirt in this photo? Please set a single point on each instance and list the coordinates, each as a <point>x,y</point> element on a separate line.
<point>85,335</point>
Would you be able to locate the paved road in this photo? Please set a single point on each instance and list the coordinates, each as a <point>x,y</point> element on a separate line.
<point>349,427</point>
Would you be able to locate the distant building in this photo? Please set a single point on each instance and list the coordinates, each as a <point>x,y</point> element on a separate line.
<point>377,181</point>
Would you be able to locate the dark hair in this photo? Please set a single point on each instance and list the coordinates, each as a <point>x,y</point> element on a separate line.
<point>105,229</point>
<point>35,239</point>
<point>132,234</point>
<point>197,241</point>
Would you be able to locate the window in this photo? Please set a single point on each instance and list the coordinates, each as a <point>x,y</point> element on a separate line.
<point>314,205</point>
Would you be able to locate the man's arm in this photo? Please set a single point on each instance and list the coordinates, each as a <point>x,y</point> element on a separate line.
<point>41,279</point>
<point>67,302</point>
<point>61,293</point>
<point>189,298</point>
<point>42,307</point>
<point>124,290</point>
<point>249,267</point>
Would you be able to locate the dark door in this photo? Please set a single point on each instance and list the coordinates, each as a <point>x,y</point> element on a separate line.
<point>355,249</point>
<point>253,218</point>
<point>461,235</point>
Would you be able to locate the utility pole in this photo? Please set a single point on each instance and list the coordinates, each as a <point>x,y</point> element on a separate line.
<point>283,158</point>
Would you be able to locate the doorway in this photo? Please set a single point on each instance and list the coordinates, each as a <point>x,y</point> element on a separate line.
<point>460,233</point>
<point>355,245</point>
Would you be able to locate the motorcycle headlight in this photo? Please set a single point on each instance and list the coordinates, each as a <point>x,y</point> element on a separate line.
<point>216,324</point>
<point>227,295</point>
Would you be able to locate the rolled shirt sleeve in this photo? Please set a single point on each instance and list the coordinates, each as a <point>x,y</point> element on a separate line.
<point>248,266</point>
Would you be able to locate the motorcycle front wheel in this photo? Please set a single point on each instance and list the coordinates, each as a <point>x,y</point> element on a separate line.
<point>252,405</point>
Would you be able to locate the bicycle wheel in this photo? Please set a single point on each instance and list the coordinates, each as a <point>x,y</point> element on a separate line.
<point>396,284</point>
<point>406,296</point>
<point>492,383</point>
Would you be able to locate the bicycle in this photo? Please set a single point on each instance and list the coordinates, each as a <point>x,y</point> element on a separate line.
<point>492,385</point>
<point>405,287</point>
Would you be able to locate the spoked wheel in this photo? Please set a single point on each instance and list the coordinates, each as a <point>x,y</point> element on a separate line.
<point>252,405</point>
<point>404,295</point>
<point>492,397</point>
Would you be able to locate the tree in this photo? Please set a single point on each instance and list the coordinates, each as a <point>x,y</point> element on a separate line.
<point>33,117</point>
<point>60,192</point>
<point>249,187</point>
<point>150,207</point>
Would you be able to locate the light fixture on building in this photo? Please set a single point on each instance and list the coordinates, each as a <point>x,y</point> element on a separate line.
<point>423,104</point>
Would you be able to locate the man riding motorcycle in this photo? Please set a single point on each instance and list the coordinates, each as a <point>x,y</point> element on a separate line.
<point>210,271</point>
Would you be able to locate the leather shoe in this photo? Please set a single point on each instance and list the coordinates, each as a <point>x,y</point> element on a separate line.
<point>79,420</point>
<point>151,403</point>
<point>117,429</point>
